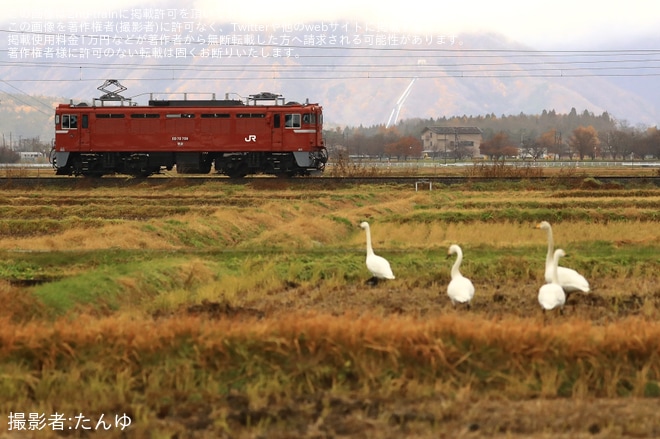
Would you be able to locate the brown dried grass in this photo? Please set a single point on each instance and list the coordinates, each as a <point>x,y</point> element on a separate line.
<point>247,355</point>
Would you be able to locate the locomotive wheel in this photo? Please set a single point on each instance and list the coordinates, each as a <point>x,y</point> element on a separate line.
<point>236,174</point>
<point>240,171</point>
<point>205,168</point>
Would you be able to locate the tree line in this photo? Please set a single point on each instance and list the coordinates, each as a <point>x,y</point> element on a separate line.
<point>559,136</point>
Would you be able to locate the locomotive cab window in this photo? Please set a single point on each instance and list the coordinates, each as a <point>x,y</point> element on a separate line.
<point>292,120</point>
<point>69,121</point>
<point>309,119</point>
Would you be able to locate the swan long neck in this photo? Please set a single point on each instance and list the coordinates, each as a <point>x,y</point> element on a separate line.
<point>370,250</point>
<point>555,269</point>
<point>455,269</point>
<point>551,246</point>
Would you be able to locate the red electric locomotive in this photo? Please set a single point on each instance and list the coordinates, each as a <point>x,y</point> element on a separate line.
<point>262,134</point>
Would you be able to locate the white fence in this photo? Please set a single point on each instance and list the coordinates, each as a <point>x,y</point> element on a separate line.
<point>533,164</point>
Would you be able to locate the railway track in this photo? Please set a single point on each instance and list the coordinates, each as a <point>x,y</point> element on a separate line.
<point>418,183</point>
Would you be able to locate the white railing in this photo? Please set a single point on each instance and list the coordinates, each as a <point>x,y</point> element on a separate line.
<point>538,164</point>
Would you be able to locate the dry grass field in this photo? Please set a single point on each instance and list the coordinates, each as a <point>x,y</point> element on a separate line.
<point>242,311</point>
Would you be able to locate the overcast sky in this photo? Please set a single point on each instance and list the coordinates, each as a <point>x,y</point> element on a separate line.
<point>543,25</point>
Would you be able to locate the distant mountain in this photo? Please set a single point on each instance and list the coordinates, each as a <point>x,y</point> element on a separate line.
<point>489,74</point>
<point>357,85</point>
<point>647,87</point>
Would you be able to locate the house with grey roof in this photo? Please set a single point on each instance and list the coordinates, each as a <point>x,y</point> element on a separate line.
<point>452,142</point>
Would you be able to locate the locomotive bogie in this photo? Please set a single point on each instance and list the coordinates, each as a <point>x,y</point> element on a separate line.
<point>99,164</point>
<point>193,163</point>
<point>192,137</point>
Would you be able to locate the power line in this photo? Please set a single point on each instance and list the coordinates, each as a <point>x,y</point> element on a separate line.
<point>441,62</point>
<point>16,98</point>
<point>353,73</point>
<point>634,67</point>
<point>351,47</point>
<point>626,62</point>
<point>412,51</point>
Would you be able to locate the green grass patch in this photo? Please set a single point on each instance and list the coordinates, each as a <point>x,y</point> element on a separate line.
<point>110,287</point>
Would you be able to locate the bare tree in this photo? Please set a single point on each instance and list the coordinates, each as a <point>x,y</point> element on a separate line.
<point>9,156</point>
<point>652,143</point>
<point>535,148</point>
<point>619,143</point>
<point>544,144</point>
<point>584,141</point>
<point>499,146</point>
<point>407,146</point>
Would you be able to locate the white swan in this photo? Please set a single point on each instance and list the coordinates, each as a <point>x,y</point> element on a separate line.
<point>460,289</point>
<point>551,295</point>
<point>569,279</point>
<point>377,265</point>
